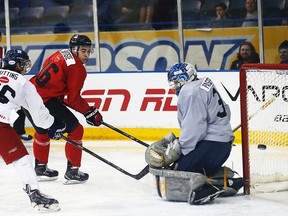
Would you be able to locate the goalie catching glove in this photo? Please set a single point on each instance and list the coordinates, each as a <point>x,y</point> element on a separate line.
<point>56,131</point>
<point>163,152</point>
<point>93,117</point>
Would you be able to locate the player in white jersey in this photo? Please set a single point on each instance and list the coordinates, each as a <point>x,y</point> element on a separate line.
<point>16,91</point>
<point>19,124</point>
<point>206,135</point>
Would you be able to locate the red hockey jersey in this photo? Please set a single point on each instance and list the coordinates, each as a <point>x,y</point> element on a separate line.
<point>62,74</point>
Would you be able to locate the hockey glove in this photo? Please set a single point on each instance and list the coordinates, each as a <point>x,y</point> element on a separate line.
<point>93,117</point>
<point>56,131</point>
<point>163,152</point>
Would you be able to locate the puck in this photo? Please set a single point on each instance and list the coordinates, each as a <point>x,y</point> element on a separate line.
<point>261,146</point>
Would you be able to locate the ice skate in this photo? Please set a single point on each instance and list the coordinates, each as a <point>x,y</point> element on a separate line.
<point>233,186</point>
<point>204,195</point>
<point>41,202</point>
<point>44,173</point>
<point>74,176</point>
<point>26,138</point>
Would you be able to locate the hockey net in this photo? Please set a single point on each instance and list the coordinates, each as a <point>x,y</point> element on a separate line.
<point>264,127</point>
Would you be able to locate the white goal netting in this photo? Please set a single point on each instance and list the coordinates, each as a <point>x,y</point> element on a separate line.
<point>267,121</point>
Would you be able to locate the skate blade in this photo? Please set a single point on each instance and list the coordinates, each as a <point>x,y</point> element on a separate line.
<point>71,182</point>
<point>208,199</point>
<point>51,208</point>
<point>46,178</point>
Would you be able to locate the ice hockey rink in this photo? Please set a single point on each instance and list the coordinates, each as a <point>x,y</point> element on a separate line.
<point>110,192</point>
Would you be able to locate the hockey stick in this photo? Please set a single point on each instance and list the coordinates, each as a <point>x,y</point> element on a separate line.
<point>125,134</point>
<point>137,176</point>
<point>264,106</point>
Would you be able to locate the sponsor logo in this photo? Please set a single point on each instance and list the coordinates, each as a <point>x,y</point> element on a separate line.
<point>281,118</point>
<point>158,99</point>
<point>158,54</point>
<point>4,79</point>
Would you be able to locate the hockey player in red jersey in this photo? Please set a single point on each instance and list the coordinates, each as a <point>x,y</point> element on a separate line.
<point>17,91</point>
<point>63,74</point>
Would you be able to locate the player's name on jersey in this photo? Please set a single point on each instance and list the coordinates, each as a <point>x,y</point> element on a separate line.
<point>9,74</point>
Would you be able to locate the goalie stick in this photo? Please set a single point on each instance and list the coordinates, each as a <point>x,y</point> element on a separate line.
<point>125,134</point>
<point>264,106</point>
<point>137,176</point>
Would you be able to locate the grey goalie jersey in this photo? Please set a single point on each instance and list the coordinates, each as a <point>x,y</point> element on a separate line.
<point>202,115</point>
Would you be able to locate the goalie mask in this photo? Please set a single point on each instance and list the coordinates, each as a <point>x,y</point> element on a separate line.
<point>14,57</point>
<point>180,74</point>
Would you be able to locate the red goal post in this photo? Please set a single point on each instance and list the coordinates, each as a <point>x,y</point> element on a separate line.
<point>264,121</point>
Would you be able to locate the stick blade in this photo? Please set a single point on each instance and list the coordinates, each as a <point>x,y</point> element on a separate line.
<point>143,172</point>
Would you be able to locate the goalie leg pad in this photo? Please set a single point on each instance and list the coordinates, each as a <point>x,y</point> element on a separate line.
<point>177,185</point>
<point>224,171</point>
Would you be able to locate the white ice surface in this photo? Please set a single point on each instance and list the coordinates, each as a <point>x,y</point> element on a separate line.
<point>109,192</point>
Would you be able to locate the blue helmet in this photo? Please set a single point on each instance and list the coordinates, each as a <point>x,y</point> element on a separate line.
<point>180,74</point>
<point>14,56</point>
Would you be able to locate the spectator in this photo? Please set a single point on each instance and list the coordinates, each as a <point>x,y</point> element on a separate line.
<point>283,52</point>
<point>129,14</point>
<point>108,12</point>
<point>146,13</point>
<point>246,54</point>
<point>165,14</point>
<point>251,13</point>
<point>221,20</point>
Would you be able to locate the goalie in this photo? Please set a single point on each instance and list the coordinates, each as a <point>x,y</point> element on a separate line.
<point>205,140</point>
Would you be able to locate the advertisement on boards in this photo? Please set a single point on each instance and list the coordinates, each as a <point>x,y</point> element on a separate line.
<point>156,51</point>
<point>131,89</point>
